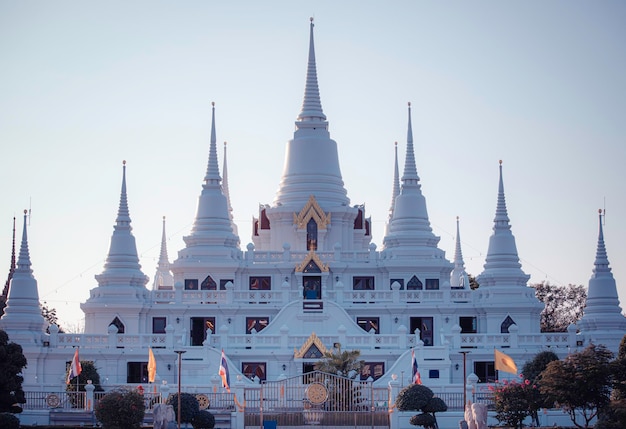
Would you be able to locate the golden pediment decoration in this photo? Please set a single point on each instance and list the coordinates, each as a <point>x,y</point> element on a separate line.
<point>312,341</point>
<point>312,256</point>
<point>311,210</point>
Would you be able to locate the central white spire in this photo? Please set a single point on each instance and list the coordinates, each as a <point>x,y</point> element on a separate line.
<point>311,160</point>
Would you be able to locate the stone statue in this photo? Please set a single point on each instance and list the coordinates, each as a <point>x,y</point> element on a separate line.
<point>162,415</point>
<point>480,415</point>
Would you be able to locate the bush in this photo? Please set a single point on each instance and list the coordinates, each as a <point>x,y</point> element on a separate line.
<point>9,421</point>
<point>123,409</point>
<point>413,397</point>
<point>514,401</point>
<point>189,406</point>
<point>203,420</point>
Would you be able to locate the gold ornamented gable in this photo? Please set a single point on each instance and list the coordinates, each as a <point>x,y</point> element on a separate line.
<point>311,210</point>
<point>312,257</point>
<point>312,342</point>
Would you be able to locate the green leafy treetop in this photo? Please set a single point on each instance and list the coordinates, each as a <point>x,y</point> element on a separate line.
<point>346,363</point>
<point>12,362</point>
<point>189,406</point>
<point>582,381</point>
<point>123,409</point>
<point>89,372</point>
<point>417,397</point>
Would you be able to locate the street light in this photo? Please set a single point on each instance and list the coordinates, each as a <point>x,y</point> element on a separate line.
<point>180,361</point>
<point>464,353</point>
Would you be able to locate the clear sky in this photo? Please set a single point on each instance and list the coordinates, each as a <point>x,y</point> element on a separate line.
<point>85,85</point>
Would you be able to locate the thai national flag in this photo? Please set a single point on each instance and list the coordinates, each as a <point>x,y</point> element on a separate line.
<point>416,378</point>
<point>75,368</point>
<point>224,372</point>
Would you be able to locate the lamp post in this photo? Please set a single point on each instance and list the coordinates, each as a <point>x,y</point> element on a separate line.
<point>180,361</point>
<point>464,353</point>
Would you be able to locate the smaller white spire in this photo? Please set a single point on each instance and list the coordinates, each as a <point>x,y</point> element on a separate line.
<point>395,190</point>
<point>226,191</point>
<point>502,266</point>
<point>602,313</point>
<point>409,227</point>
<point>459,277</point>
<point>163,278</point>
<point>22,318</point>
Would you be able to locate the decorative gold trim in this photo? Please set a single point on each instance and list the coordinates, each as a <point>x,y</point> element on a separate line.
<point>313,339</point>
<point>312,256</point>
<point>311,210</point>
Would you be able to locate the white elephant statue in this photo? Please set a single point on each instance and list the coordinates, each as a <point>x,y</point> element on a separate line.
<point>162,415</point>
<point>480,415</point>
<point>469,416</point>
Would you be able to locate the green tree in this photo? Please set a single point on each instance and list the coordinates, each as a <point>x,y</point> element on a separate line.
<point>582,381</point>
<point>514,401</point>
<point>12,362</point>
<point>614,416</point>
<point>346,363</point>
<point>89,372</point>
<point>189,406</point>
<point>123,409</point>
<point>343,394</point>
<point>50,316</point>
<point>564,305</point>
<point>417,397</point>
<point>532,370</point>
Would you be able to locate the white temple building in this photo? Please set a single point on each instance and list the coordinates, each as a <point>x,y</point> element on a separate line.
<point>308,280</point>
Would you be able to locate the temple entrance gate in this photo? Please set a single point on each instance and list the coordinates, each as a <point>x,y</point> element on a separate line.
<point>317,399</point>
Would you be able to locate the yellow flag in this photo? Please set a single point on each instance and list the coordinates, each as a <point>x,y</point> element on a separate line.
<point>151,366</point>
<point>504,362</point>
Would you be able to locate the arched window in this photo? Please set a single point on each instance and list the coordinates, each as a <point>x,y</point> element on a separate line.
<point>118,324</point>
<point>311,235</point>
<point>504,328</point>
<point>414,284</point>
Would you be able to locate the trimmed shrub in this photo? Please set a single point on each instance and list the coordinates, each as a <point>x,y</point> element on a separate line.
<point>122,409</point>
<point>189,406</point>
<point>203,420</point>
<point>9,421</point>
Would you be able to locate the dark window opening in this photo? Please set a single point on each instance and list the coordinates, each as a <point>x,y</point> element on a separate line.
<point>358,222</point>
<point>414,284</point>
<point>425,325</point>
<point>118,324</point>
<point>191,284</point>
<point>367,227</point>
<point>506,324</point>
<point>368,323</point>
<point>363,283</point>
<point>265,222</point>
<point>199,326</point>
<point>312,286</point>
<point>137,372</point>
<point>158,325</point>
<point>254,369</point>
<point>311,235</point>
<point>372,369</point>
<point>208,284</point>
<point>260,283</point>
<point>468,325</point>
<point>223,283</point>
<point>256,323</point>
<point>432,284</point>
<point>433,373</point>
<point>485,371</point>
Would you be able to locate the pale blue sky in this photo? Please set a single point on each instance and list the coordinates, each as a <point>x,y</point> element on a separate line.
<point>85,85</point>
